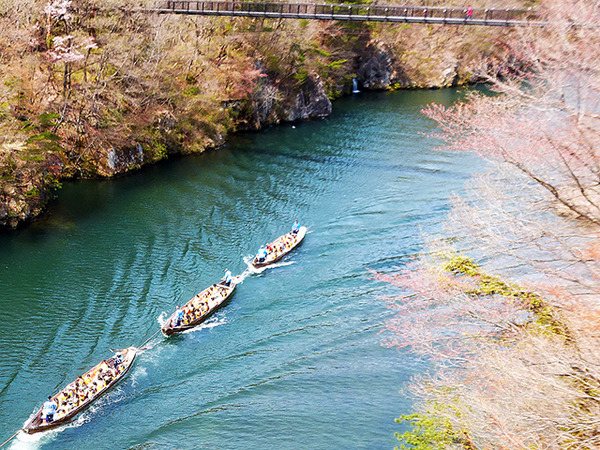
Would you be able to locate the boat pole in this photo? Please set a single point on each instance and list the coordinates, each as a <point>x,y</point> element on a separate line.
<point>147,340</point>
<point>9,439</point>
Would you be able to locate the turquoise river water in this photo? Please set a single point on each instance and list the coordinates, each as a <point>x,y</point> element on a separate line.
<point>295,360</point>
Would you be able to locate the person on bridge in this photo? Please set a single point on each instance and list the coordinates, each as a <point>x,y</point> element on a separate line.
<point>49,409</point>
<point>470,13</point>
<point>227,278</point>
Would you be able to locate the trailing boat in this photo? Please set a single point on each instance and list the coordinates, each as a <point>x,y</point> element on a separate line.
<point>280,247</point>
<point>198,309</point>
<point>82,392</point>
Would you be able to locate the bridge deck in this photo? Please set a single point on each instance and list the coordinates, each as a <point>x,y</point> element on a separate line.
<point>358,13</point>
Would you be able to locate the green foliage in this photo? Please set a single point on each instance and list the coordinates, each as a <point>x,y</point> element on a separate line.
<point>7,168</point>
<point>190,78</point>
<point>43,142</point>
<point>298,53</point>
<point>301,76</point>
<point>110,117</point>
<point>32,157</point>
<point>160,150</point>
<point>336,64</point>
<point>33,192</point>
<point>12,82</point>
<point>545,315</point>
<point>4,108</point>
<point>155,151</point>
<point>47,120</point>
<point>429,432</point>
<point>52,183</point>
<point>273,63</point>
<point>431,429</point>
<point>192,91</point>
<point>317,51</point>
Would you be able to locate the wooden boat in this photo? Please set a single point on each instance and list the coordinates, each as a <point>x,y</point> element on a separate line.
<point>281,247</point>
<point>199,308</point>
<point>71,400</point>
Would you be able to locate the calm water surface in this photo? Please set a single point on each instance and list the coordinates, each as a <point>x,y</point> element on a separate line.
<point>295,359</point>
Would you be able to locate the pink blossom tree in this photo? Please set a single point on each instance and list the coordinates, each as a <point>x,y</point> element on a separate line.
<point>518,367</point>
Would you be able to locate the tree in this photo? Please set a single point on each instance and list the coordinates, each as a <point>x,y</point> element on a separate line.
<point>519,367</point>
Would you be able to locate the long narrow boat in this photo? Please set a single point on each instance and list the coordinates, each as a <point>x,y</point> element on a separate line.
<point>281,247</point>
<point>82,392</point>
<point>199,308</point>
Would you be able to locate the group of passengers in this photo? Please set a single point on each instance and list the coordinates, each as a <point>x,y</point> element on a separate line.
<point>82,389</point>
<point>201,303</point>
<point>279,246</point>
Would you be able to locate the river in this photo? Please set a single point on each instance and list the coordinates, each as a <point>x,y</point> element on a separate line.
<point>295,359</point>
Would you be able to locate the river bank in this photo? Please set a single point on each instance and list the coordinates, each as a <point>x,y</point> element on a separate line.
<point>91,93</point>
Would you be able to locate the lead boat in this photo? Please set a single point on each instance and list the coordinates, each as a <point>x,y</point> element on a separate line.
<point>280,247</point>
<point>199,308</point>
<point>82,392</point>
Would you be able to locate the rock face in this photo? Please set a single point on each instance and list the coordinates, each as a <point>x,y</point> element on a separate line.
<point>21,202</point>
<point>376,68</point>
<point>310,103</point>
<point>272,106</point>
<point>121,160</point>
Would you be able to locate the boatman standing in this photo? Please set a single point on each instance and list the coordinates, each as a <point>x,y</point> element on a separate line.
<point>178,316</point>
<point>227,277</point>
<point>49,409</point>
<point>262,254</point>
<point>296,227</point>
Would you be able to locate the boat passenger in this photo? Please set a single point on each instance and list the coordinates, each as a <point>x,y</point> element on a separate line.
<point>109,376</point>
<point>73,399</point>
<point>227,277</point>
<point>296,227</point>
<point>119,362</point>
<point>49,409</point>
<point>262,254</point>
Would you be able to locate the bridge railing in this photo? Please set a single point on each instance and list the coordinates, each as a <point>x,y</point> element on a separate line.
<point>346,12</point>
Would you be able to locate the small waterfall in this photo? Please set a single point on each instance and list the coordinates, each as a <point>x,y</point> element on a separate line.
<point>354,86</point>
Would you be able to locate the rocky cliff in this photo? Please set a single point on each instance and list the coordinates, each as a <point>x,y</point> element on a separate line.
<point>90,92</point>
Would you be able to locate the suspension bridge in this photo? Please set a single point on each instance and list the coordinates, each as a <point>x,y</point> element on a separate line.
<point>353,13</point>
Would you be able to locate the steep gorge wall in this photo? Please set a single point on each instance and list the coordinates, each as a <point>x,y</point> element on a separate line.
<point>88,92</point>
